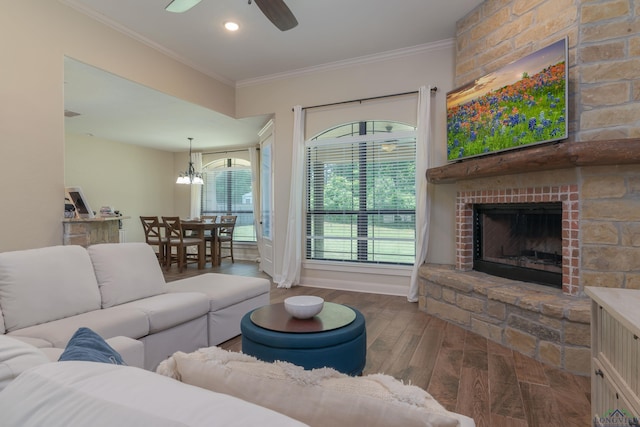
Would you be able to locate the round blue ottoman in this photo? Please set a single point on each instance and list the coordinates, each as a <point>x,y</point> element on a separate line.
<point>343,349</point>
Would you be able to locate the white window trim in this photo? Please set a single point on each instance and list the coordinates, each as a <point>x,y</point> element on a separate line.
<point>357,267</point>
<point>374,137</point>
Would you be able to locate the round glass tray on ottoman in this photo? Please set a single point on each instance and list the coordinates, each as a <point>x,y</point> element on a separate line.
<point>334,338</point>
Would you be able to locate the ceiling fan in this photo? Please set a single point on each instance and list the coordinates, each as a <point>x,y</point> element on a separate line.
<point>275,10</point>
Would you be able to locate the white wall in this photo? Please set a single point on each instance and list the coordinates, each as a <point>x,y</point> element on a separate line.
<point>432,65</point>
<point>35,35</point>
<point>134,180</point>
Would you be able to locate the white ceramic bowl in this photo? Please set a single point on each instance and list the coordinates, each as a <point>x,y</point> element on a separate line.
<point>303,306</point>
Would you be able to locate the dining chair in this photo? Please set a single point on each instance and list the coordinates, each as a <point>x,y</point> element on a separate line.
<point>153,236</point>
<point>209,237</point>
<point>225,235</point>
<point>176,239</point>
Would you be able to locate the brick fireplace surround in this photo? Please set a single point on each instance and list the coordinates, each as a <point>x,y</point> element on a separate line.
<point>566,194</point>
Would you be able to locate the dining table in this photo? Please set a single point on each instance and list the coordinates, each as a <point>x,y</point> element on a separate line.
<point>198,229</point>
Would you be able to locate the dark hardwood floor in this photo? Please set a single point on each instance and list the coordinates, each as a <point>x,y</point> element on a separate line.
<point>465,372</point>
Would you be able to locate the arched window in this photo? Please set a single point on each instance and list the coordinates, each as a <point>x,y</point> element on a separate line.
<point>227,191</point>
<point>360,193</point>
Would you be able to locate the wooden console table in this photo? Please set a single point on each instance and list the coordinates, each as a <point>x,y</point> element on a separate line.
<point>90,231</point>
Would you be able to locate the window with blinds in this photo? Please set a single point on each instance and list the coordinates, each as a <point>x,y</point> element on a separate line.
<point>227,191</point>
<point>360,194</point>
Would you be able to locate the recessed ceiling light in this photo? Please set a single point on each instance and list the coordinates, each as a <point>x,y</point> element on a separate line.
<point>231,26</point>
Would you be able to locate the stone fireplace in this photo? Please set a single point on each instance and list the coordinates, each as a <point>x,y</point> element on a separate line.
<point>594,175</point>
<point>549,323</point>
<point>597,186</point>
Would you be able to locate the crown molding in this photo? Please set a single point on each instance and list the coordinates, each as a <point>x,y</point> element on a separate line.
<point>136,36</point>
<point>367,59</point>
<point>361,60</point>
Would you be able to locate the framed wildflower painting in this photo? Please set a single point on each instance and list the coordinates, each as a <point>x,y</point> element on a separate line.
<point>522,103</point>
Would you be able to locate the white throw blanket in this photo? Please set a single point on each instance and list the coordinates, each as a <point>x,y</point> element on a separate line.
<point>318,397</point>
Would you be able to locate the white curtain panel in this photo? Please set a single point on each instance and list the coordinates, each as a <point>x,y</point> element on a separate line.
<point>292,261</point>
<point>423,201</point>
<point>194,211</point>
<point>255,194</point>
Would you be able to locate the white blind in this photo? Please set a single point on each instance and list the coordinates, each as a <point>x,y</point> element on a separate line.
<point>360,199</point>
<point>227,191</point>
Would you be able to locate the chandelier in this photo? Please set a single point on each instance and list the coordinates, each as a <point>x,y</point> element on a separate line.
<point>190,176</point>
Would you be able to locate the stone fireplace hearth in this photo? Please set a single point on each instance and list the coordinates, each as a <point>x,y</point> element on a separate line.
<point>542,323</point>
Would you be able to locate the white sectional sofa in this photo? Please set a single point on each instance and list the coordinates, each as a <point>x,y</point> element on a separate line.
<point>119,291</point>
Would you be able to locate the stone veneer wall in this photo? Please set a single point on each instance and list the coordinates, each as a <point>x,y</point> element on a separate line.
<point>604,55</point>
<point>604,103</point>
<point>610,226</point>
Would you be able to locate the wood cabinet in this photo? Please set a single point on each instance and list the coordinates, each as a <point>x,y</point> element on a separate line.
<point>615,348</point>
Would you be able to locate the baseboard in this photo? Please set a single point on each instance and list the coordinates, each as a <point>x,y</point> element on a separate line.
<point>342,285</point>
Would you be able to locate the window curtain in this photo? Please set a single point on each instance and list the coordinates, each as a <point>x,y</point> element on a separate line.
<point>196,203</point>
<point>423,199</point>
<point>255,194</point>
<point>292,261</point>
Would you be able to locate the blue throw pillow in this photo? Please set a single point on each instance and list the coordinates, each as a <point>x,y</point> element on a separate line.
<point>88,346</point>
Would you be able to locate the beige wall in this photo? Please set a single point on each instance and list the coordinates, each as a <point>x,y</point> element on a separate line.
<point>39,33</point>
<point>432,65</point>
<point>134,180</point>
<point>36,35</point>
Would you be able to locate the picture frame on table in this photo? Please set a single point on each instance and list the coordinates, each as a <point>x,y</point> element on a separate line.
<point>79,201</point>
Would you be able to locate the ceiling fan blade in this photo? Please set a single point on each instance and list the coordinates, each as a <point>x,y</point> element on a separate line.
<point>179,6</point>
<point>278,13</point>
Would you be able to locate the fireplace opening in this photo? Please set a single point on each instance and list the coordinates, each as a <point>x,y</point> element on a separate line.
<point>520,241</point>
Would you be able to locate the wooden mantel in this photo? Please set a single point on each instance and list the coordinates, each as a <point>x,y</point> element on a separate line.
<point>544,157</point>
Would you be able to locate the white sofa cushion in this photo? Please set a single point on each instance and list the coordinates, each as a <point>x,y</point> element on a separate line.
<point>16,357</point>
<point>36,342</point>
<point>41,285</point>
<point>108,322</point>
<point>126,272</point>
<point>79,394</point>
<point>223,290</point>
<point>319,397</point>
<point>168,310</point>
